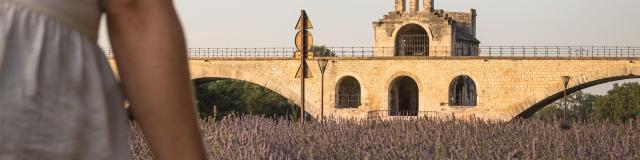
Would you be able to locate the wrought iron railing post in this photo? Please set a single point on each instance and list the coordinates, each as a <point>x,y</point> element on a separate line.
<point>513,52</point>
<point>580,52</point>
<point>352,53</point>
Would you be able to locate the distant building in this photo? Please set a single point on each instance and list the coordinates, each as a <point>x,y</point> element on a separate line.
<point>412,30</point>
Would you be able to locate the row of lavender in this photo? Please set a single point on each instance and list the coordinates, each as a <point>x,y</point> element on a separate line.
<point>260,138</point>
<point>432,51</point>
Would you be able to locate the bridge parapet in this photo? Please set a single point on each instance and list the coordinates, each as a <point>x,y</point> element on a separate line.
<point>434,51</point>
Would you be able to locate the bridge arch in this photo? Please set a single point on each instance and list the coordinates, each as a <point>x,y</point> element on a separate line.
<point>266,81</point>
<point>274,106</point>
<point>577,83</point>
<point>273,87</point>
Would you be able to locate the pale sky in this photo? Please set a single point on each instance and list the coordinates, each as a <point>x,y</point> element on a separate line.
<point>270,23</point>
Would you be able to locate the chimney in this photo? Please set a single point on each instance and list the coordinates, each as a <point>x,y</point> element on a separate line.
<point>413,6</point>
<point>474,14</point>
<point>400,5</point>
<point>428,5</point>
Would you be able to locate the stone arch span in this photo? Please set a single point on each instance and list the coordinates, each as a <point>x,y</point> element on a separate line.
<point>287,87</point>
<point>576,84</point>
<point>204,80</point>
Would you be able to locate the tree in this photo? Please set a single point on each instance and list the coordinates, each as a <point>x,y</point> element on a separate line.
<point>622,103</point>
<point>234,96</point>
<point>549,112</point>
<point>579,107</point>
<point>322,51</point>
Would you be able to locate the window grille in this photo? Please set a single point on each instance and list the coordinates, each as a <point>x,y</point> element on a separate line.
<point>462,92</point>
<point>413,45</point>
<point>348,93</point>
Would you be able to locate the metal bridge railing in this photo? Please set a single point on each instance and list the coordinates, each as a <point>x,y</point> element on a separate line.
<point>352,51</point>
<point>386,114</point>
<point>241,52</point>
<point>559,51</point>
<point>433,51</point>
<point>399,114</point>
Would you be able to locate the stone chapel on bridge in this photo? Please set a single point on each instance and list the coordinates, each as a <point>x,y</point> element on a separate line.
<point>416,29</point>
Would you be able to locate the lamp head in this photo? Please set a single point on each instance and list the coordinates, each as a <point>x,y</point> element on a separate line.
<point>322,63</point>
<point>565,80</point>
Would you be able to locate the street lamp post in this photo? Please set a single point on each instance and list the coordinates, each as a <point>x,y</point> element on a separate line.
<point>322,64</point>
<point>565,80</point>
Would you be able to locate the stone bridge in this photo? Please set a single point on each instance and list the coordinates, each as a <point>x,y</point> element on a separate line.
<point>503,88</point>
<point>426,62</point>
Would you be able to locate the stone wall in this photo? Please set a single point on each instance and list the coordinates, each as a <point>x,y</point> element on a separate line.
<point>463,20</point>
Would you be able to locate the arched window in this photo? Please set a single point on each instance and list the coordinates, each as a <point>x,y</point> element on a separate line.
<point>348,95</point>
<point>462,92</point>
<point>412,40</point>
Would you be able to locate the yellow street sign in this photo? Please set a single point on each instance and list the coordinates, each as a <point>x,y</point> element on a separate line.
<point>307,73</point>
<point>299,39</point>
<point>304,19</point>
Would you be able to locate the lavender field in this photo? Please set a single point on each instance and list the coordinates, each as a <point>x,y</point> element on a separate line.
<point>262,138</point>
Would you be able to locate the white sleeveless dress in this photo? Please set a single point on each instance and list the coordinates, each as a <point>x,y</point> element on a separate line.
<point>58,96</point>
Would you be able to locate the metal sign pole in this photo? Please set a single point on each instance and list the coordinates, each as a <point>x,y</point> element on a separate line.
<point>304,66</point>
<point>303,41</point>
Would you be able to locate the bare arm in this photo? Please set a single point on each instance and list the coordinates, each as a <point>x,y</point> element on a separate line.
<point>150,51</point>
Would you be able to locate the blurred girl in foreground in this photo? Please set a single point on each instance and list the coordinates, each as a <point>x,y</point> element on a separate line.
<point>59,98</point>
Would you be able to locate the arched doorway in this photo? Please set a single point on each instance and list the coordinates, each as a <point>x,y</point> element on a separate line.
<point>412,40</point>
<point>403,97</point>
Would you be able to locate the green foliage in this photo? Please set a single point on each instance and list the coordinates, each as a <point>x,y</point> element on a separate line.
<point>322,51</point>
<point>233,96</point>
<point>550,112</point>
<point>621,104</point>
<point>579,106</point>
